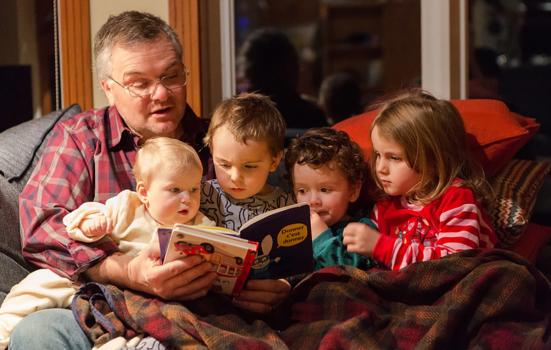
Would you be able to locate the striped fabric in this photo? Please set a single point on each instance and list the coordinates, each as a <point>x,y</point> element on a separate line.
<point>516,189</point>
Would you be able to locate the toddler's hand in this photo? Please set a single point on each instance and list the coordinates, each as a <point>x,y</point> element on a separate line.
<point>360,238</point>
<point>317,224</point>
<point>96,226</point>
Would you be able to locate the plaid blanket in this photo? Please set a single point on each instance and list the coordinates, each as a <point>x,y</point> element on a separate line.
<point>484,299</point>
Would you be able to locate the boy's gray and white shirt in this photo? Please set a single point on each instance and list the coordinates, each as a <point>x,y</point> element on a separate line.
<point>233,213</point>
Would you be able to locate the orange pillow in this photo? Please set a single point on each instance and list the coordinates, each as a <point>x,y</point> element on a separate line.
<point>495,133</point>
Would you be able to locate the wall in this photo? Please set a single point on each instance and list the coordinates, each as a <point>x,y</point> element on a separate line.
<point>18,42</point>
<point>100,10</point>
<point>8,24</point>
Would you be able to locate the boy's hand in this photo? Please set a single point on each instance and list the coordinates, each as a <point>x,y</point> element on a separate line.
<point>317,224</point>
<point>97,226</point>
<point>261,296</point>
<point>360,238</point>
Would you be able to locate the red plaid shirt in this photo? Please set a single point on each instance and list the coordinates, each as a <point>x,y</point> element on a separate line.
<point>88,157</point>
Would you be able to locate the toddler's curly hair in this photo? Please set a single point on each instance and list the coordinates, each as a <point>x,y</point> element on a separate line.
<point>326,146</point>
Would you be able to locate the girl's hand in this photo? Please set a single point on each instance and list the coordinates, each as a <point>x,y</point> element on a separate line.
<point>261,296</point>
<point>360,238</point>
<point>317,224</point>
<point>96,226</point>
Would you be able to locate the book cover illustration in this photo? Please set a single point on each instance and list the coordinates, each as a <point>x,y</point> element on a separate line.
<point>231,257</point>
<point>285,239</point>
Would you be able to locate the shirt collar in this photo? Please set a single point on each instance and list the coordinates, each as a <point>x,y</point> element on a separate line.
<point>119,132</point>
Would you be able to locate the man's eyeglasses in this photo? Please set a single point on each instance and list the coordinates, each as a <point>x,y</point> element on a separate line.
<point>146,88</point>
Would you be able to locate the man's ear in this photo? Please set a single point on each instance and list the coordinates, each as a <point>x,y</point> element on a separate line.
<point>107,88</point>
<point>275,161</point>
<point>141,190</point>
<point>355,191</point>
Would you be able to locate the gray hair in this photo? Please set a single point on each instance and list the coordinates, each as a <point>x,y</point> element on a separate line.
<point>128,28</point>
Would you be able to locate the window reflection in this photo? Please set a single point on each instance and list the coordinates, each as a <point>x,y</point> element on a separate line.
<point>370,46</point>
<point>510,60</point>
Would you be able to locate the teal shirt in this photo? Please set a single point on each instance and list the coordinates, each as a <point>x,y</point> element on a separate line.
<point>330,251</point>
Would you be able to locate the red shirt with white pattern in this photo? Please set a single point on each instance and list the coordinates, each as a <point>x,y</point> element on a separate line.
<point>409,233</point>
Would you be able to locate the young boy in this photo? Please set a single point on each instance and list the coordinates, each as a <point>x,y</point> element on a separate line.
<point>168,180</point>
<point>326,169</point>
<point>246,138</point>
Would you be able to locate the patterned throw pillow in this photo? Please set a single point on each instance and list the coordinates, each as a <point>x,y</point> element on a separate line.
<point>516,189</point>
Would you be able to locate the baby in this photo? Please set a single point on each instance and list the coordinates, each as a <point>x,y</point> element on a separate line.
<point>168,180</point>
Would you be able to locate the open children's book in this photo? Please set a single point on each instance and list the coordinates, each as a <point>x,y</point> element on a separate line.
<point>275,244</point>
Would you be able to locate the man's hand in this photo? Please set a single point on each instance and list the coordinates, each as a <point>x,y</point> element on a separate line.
<point>96,226</point>
<point>360,238</point>
<point>261,296</point>
<point>183,279</point>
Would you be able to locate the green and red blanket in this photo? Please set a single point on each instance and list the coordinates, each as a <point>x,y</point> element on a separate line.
<point>489,299</point>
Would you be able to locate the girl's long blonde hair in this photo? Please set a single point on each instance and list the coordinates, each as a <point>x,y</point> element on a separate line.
<point>434,140</point>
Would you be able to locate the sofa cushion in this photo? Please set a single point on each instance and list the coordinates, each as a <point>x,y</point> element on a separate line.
<point>21,142</point>
<point>516,189</point>
<point>19,148</point>
<point>495,133</point>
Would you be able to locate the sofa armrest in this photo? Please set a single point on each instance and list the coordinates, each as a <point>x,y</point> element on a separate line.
<point>20,148</point>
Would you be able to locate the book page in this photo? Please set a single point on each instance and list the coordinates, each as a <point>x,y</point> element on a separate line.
<point>231,257</point>
<point>285,239</point>
<point>270,213</point>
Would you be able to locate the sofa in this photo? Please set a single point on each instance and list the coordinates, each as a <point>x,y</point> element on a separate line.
<point>521,214</point>
<point>20,147</point>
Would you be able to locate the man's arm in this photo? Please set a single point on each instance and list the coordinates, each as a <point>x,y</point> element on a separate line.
<point>68,174</point>
<point>62,180</point>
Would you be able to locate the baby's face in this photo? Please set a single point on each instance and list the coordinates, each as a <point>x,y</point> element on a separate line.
<point>242,169</point>
<point>325,189</point>
<point>173,195</point>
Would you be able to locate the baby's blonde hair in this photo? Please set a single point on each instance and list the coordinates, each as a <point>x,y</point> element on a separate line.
<point>250,116</point>
<point>434,140</point>
<point>160,152</point>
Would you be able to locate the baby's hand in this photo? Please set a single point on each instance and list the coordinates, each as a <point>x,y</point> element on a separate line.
<point>317,224</point>
<point>96,226</point>
<point>360,238</point>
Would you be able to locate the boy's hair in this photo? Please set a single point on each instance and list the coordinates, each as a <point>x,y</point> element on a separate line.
<point>249,116</point>
<point>160,152</point>
<point>320,146</point>
<point>130,28</point>
<point>434,140</point>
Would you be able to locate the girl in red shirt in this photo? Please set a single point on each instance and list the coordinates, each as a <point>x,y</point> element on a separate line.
<point>430,190</point>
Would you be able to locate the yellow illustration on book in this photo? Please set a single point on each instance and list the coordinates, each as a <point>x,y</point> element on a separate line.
<point>289,236</point>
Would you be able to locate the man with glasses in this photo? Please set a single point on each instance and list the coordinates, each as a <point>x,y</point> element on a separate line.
<point>89,157</point>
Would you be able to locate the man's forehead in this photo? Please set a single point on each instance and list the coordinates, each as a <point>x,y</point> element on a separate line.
<point>142,58</point>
